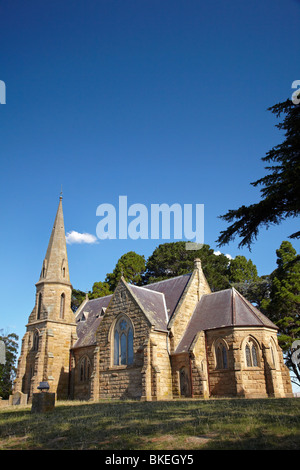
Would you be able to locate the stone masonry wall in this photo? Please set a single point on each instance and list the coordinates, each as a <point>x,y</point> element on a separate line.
<point>239,379</point>
<point>161,377</point>
<point>196,287</point>
<point>123,381</point>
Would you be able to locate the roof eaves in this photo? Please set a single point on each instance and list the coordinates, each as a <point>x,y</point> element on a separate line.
<point>138,303</point>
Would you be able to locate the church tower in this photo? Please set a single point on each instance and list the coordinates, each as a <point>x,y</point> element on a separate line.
<point>51,328</point>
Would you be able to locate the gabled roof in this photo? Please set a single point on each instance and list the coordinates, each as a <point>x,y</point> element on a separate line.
<point>158,301</point>
<point>172,289</point>
<point>86,329</point>
<point>153,305</point>
<point>222,309</point>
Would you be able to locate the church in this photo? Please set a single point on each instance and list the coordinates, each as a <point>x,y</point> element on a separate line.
<point>170,339</point>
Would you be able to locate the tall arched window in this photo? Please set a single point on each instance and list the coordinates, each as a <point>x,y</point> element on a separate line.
<point>221,355</point>
<point>62,306</point>
<point>39,307</point>
<point>251,354</point>
<point>123,342</point>
<point>85,369</point>
<point>272,352</point>
<point>36,338</point>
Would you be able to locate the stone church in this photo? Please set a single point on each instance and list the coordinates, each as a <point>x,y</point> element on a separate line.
<point>166,340</point>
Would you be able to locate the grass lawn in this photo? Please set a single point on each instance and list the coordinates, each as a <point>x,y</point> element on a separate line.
<point>173,425</point>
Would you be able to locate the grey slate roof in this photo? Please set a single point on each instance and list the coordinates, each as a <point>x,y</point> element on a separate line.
<point>153,305</point>
<point>158,301</point>
<point>222,309</point>
<point>172,289</point>
<point>86,329</point>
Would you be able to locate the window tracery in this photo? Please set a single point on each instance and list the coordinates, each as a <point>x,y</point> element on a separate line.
<point>123,342</point>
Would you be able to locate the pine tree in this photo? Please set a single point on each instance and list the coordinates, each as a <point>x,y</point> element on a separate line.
<point>280,187</point>
<point>283,307</point>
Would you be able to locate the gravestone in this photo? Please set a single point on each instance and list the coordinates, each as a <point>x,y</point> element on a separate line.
<point>43,402</point>
<point>18,398</point>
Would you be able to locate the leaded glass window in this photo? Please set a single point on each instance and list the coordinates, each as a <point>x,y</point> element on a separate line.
<point>254,356</point>
<point>85,369</point>
<point>251,354</point>
<point>123,342</point>
<point>221,356</point>
<point>248,356</point>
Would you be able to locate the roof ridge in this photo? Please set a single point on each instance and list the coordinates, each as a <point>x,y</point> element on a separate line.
<point>218,291</point>
<point>233,318</point>
<point>169,279</point>
<point>142,287</point>
<point>250,306</point>
<point>140,303</point>
<point>97,298</point>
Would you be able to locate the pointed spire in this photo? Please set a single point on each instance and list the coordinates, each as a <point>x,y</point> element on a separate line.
<point>55,265</point>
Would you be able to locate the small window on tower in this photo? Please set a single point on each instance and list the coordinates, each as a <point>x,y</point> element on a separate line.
<point>62,306</point>
<point>36,338</point>
<point>39,307</point>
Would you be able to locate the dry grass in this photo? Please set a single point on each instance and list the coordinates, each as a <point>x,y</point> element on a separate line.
<point>176,425</point>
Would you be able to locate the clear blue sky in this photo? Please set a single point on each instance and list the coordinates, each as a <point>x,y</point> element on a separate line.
<point>162,101</point>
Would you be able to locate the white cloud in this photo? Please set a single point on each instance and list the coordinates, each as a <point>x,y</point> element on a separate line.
<point>76,237</point>
<point>218,253</point>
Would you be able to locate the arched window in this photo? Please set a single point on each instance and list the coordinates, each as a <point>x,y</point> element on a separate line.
<point>273,353</point>
<point>221,355</point>
<point>39,307</point>
<point>85,369</point>
<point>62,306</point>
<point>251,354</point>
<point>123,342</point>
<point>36,338</point>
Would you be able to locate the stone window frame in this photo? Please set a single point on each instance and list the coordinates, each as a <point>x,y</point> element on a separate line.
<point>116,327</point>
<point>220,347</point>
<point>39,306</point>
<point>84,368</point>
<point>35,340</point>
<point>251,361</point>
<point>273,353</point>
<point>62,305</point>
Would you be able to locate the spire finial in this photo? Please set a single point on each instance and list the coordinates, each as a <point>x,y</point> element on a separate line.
<point>61,193</point>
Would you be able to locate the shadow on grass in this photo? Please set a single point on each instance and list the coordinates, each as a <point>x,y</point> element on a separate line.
<point>172,425</point>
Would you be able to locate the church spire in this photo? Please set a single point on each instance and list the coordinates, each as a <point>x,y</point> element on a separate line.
<point>55,265</point>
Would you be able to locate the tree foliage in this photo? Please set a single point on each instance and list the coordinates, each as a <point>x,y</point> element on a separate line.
<point>100,289</point>
<point>242,270</point>
<point>131,266</point>
<point>8,370</point>
<point>172,259</point>
<point>77,298</point>
<point>280,188</point>
<point>255,291</point>
<point>283,305</point>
